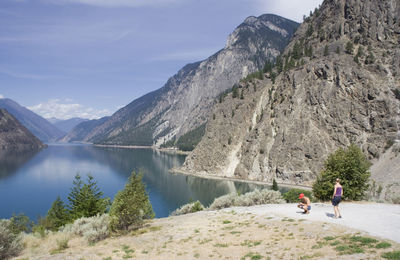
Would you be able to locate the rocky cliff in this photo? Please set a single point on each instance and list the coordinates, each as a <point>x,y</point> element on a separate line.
<point>14,136</point>
<point>338,82</point>
<point>184,102</point>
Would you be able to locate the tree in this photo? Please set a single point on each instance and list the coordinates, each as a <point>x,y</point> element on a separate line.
<point>86,199</point>
<point>351,166</point>
<point>20,223</point>
<point>131,205</point>
<point>235,91</point>
<point>349,47</point>
<point>274,185</point>
<point>57,216</point>
<point>326,50</point>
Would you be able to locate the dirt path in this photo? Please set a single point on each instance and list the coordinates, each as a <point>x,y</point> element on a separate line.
<point>378,219</point>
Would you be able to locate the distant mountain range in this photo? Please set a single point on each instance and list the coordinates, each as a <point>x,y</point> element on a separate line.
<point>14,136</point>
<point>183,104</point>
<point>36,124</point>
<point>67,124</point>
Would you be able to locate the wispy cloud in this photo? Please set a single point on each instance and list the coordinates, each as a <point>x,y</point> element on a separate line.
<point>27,75</point>
<point>1,96</point>
<point>65,109</point>
<point>118,3</point>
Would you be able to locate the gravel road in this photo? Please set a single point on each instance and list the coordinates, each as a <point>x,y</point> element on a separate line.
<point>381,220</point>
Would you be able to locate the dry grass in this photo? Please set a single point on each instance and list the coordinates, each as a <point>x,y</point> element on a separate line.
<point>219,235</point>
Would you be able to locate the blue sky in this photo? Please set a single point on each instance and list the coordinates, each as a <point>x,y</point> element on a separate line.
<point>88,58</point>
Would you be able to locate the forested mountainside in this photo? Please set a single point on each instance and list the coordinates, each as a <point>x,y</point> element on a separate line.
<point>14,136</point>
<point>36,124</point>
<point>337,82</point>
<point>184,102</point>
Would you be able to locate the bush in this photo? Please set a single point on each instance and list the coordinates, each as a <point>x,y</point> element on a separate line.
<point>255,197</point>
<point>188,208</point>
<point>351,166</point>
<point>275,185</point>
<point>131,205</point>
<point>93,229</point>
<point>20,223</point>
<point>292,196</point>
<point>10,243</point>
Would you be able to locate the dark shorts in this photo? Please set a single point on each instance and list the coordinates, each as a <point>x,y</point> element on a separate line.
<point>336,200</point>
<point>308,207</point>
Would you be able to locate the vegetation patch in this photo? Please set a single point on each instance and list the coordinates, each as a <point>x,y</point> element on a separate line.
<point>391,255</point>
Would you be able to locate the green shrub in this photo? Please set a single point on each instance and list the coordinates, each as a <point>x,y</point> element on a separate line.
<point>188,208</point>
<point>131,205</point>
<point>275,185</point>
<point>10,243</point>
<point>351,166</point>
<point>20,223</point>
<point>292,195</point>
<point>93,229</point>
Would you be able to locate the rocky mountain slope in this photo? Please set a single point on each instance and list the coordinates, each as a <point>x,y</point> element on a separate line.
<point>184,102</point>
<point>79,132</point>
<point>338,82</point>
<point>39,126</point>
<point>14,136</point>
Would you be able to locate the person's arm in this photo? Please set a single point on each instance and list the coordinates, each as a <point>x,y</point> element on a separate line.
<point>341,192</point>
<point>334,191</point>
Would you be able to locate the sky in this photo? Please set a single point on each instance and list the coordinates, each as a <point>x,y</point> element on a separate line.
<point>89,58</point>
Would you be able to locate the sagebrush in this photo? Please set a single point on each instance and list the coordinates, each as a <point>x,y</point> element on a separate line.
<point>10,243</point>
<point>93,229</point>
<point>188,208</point>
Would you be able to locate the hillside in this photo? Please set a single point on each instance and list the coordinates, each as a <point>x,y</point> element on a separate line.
<point>67,124</point>
<point>39,126</point>
<point>14,136</point>
<point>184,102</point>
<point>338,82</point>
<point>259,232</point>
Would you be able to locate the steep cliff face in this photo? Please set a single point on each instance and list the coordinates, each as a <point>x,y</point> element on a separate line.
<point>14,136</point>
<point>326,97</point>
<point>186,99</point>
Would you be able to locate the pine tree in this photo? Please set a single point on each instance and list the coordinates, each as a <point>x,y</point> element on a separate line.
<point>57,216</point>
<point>326,50</point>
<point>349,47</point>
<point>86,199</point>
<point>275,185</point>
<point>131,205</point>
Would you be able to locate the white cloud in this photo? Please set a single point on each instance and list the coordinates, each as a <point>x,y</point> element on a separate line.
<point>1,96</point>
<point>291,9</point>
<point>119,3</point>
<point>65,109</point>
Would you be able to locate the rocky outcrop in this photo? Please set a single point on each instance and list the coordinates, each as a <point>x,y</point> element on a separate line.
<point>326,97</point>
<point>186,99</point>
<point>14,136</point>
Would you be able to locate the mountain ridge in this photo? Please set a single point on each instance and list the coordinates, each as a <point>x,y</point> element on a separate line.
<point>183,103</point>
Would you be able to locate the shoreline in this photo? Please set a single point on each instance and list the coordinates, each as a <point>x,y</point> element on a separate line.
<point>166,150</point>
<point>214,177</point>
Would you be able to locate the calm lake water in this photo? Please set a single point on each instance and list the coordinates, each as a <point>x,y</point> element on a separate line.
<point>30,182</point>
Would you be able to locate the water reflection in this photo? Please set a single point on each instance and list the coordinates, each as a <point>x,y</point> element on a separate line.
<point>29,183</point>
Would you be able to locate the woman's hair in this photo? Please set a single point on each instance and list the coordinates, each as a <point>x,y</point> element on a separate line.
<point>338,180</point>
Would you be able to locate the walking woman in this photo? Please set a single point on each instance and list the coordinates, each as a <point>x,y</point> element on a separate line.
<point>337,197</point>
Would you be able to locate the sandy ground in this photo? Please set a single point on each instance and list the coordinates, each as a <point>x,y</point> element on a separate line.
<point>259,232</point>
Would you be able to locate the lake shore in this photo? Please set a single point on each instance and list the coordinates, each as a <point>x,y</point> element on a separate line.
<point>274,231</point>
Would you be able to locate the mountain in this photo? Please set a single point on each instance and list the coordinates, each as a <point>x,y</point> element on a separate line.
<point>79,132</point>
<point>14,136</point>
<point>338,83</point>
<point>39,126</point>
<point>185,101</point>
<point>68,124</point>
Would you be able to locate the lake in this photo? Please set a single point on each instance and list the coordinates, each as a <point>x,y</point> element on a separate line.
<point>31,182</point>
